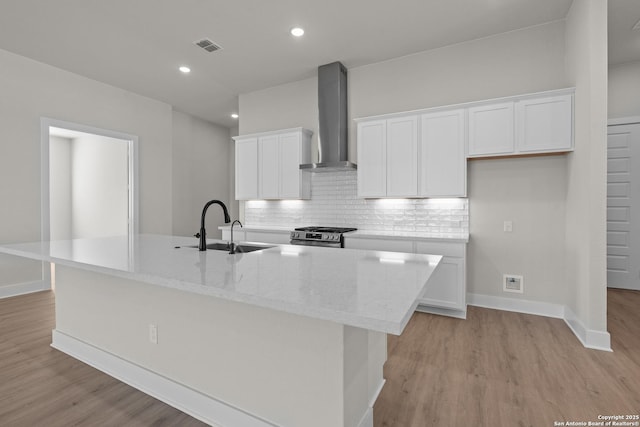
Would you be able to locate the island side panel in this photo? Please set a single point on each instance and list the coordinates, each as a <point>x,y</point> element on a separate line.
<point>284,368</point>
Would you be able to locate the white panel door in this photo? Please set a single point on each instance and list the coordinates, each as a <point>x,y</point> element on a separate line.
<point>545,124</point>
<point>290,166</point>
<point>623,207</point>
<point>247,169</point>
<point>372,159</point>
<point>269,155</point>
<point>443,165</point>
<point>402,156</point>
<point>491,129</point>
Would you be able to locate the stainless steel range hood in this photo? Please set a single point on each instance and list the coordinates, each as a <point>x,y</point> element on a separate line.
<point>333,125</point>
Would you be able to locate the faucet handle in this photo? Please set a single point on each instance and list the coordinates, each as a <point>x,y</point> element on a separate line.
<point>197,235</point>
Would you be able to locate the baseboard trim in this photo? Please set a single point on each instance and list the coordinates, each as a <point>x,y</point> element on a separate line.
<point>367,419</point>
<point>377,393</point>
<point>206,409</point>
<point>597,340</point>
<point>460,314</point>
<point>23,288</point>
<point>518,305</point>
<point>589,338</point>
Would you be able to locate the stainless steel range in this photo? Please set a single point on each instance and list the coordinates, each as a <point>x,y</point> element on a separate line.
<point>320,236</point>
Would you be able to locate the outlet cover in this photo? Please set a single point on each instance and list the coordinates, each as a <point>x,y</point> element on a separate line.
<point>153,333</point>
<point>513,283</point>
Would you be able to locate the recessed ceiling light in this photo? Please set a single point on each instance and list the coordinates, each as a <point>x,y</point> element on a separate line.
<point>234,116</point>
<point>297,32</point>
<point>185,69</point>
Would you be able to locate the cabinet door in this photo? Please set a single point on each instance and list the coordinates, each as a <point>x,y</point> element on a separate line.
<point>290,166</point>
<point>247,169</point>
<point>372,159</point>
<point>445,287</point>
<point>402,156</point>
<point>491,129</point>
<point>269,156</point>
<point>545,124</point>
<point>443,164</point>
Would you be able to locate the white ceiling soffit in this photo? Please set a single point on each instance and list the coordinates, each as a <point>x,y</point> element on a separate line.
<point>139,45</point>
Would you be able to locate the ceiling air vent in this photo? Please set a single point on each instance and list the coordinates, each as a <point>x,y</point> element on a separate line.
<point>207,45</point>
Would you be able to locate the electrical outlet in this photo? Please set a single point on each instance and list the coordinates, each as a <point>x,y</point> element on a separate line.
<point>153,333</point>
<point>513,283</point>
<point>508,226</point>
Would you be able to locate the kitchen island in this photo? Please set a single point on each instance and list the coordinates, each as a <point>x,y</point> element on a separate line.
<point>284,336</point>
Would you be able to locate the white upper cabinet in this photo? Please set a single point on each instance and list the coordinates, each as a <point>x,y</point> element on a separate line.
<point>412,156</point>
<point>443,166</point>
<point>294,151</point>
<point>491,129</point>
<point>529,124</point>
<point>402,157</point>
<point>246,168</point>
<point>268,165</point>
<point>545,124</point>
<point>387,157</point>
<point>372,158</point>
<point>269,170</point>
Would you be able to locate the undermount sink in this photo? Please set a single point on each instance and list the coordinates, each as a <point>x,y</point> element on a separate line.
<point>225,247</point>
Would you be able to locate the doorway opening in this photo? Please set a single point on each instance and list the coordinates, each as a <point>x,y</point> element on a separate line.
<point>89,182</point>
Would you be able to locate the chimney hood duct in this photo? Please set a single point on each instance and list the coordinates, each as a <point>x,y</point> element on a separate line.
<point>333,125</point>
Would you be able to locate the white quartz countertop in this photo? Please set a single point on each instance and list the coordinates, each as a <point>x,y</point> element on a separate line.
<point>367,289</point>
<point>369,234</point>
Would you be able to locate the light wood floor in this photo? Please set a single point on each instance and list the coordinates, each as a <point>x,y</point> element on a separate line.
<point>494,369</point>
<point>506,369</point>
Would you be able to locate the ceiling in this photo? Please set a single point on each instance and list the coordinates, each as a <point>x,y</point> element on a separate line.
<point>139,45</point>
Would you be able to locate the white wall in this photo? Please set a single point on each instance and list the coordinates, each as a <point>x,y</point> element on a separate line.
<point>523,61</point>
<point>31,90</point>
<point>587,167</point>
<point>99,189</point>
<point>60,188</point>
<point>624,90</point>
<point>201,169</point>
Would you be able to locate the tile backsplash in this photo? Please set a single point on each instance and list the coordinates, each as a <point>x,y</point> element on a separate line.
<point>334,202</point>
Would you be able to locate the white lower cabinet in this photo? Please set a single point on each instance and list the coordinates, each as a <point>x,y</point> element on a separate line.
<point>447,288</point>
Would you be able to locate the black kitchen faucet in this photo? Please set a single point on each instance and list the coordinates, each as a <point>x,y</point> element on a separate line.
<point>203,233</point>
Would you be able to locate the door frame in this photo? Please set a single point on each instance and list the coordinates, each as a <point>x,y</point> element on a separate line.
<point>132,154</point>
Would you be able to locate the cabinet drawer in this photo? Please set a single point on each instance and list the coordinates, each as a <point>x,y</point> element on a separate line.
<point>267,237</point>
<point>456,250</point>
<point>379,245</point>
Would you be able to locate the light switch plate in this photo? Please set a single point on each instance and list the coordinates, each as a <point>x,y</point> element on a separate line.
<point>508,226</point>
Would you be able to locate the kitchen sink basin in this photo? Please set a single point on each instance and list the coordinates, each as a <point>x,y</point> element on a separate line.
<point>225,247</point>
